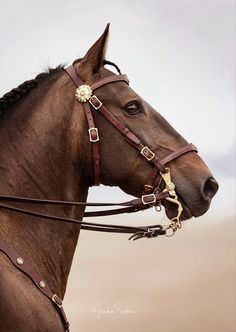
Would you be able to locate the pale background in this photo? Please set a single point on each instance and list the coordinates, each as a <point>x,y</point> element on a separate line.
<point>180,56</point>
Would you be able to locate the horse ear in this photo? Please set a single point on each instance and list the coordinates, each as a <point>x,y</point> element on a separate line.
<point>91,63</point>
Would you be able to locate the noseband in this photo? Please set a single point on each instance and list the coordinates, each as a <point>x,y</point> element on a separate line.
<point>151,196</point>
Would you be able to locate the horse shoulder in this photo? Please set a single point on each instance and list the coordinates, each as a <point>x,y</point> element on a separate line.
<point>22,306</point>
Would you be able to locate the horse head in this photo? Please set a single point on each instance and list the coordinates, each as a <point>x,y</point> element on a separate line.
<point>47,151</point>
<point>121,164</point>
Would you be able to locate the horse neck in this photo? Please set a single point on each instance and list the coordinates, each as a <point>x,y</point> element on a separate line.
<point>39,158</point>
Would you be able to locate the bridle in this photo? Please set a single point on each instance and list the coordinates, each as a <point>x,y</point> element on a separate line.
<point>152,197</point>
<point>84,94</point>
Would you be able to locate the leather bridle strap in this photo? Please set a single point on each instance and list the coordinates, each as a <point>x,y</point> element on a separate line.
<point>23,266</point>
<point>175,154</point>
<point>93,131</point>
<point>131,138</point>
<point>148,187</point>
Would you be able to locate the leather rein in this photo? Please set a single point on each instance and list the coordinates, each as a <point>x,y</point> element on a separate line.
<point>152,197</point>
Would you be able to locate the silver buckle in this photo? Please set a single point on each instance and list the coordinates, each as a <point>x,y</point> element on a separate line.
<point>99,102</point>
<point>93,140</point>
<point>151,201</point>
<point>145,150</point>
<point>57,300</point>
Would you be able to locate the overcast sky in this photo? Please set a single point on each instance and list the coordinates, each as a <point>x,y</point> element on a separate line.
<point>179,55</point>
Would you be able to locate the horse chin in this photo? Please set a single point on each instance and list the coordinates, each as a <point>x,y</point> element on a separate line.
<point>171,211</point>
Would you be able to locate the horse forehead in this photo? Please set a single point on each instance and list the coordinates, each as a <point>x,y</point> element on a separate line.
<point>118,91</point>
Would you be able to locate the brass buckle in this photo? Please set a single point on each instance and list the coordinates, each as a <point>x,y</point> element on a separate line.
<point>151,199</point>
<point>147,153</point>
<point>148,186</point>
<point>170,186</point>
<point>93,140</point>
<point>91,102</point>
<point>57,300</point>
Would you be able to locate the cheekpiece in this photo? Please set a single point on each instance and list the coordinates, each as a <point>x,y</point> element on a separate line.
<point>83,93</point>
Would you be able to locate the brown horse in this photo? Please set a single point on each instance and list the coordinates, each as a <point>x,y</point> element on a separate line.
<point>46,153</point>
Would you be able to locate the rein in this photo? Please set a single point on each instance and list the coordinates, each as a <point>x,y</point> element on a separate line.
<point>152,197</point>
<point>128,207</point>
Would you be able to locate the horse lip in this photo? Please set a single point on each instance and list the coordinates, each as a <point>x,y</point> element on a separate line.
<point>186,208</point>
<point>187,213</point>
<point>201,210</point>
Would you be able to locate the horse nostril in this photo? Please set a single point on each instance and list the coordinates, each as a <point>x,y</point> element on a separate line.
<point>210,188</point>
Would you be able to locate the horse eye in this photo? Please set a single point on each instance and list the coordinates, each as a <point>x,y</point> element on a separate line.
<point>132,109</point>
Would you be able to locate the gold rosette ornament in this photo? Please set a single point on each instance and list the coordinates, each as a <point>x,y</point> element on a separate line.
<point>83,93</point>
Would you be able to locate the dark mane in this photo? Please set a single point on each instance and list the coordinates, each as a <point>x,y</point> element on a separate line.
<point>105,62</point>
<point>12,97</point>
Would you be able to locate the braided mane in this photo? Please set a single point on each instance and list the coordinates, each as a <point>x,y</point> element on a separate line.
<point>12,97</point>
